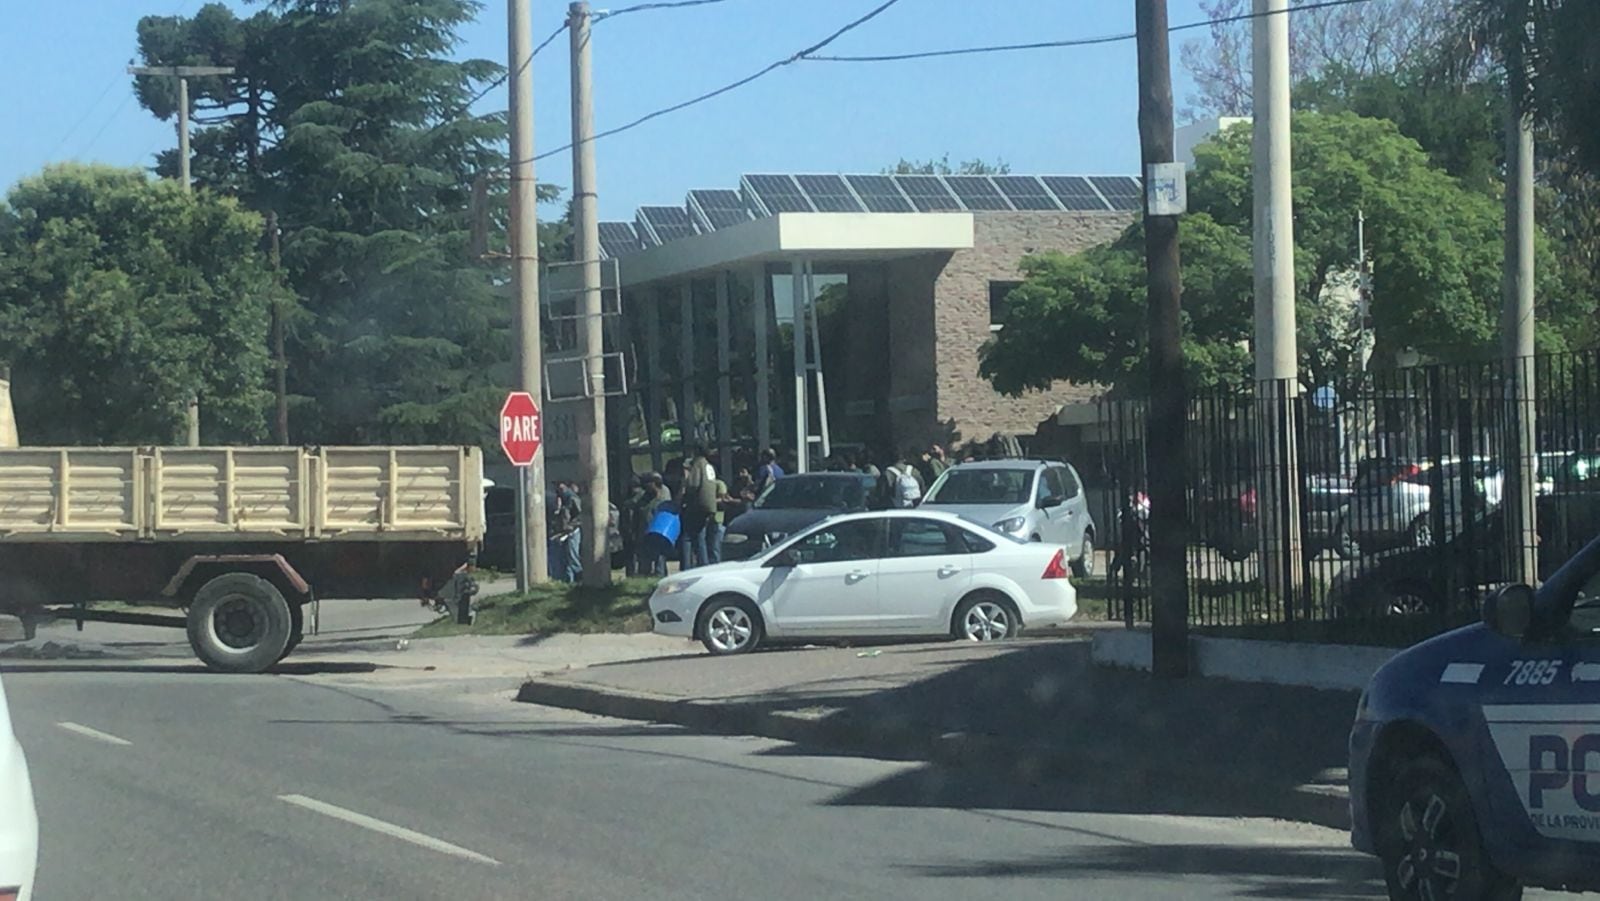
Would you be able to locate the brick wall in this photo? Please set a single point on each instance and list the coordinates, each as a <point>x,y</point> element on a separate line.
<point>961,316</point>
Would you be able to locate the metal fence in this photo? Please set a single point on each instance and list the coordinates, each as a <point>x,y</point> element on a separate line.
<point>1391,521</point>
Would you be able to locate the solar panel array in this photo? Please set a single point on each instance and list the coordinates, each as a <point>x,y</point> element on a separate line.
<point>617,239</point>
<point>664,223</point>
<point>1122,192</point>
<point>717,209</point>
<point>759,196</point>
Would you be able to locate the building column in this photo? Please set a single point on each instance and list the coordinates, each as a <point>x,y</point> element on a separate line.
<point>724,384</point>
<point>802,418</point>
<point>652,357</point>
<point>761,300</point>
<point>686,421</point>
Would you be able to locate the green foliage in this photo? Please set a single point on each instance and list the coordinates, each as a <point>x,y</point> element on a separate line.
<point>349,121</point>
<point>942,166</point>
<point>1435,249</point>
<point>119,297</point>
<point>557,608</point>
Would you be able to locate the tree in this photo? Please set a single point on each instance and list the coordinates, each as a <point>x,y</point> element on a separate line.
<point>1434,245</point>
<point>941,166</point>
<point>350,122</point>
<point>1384,36</point>
<point>119,296</point>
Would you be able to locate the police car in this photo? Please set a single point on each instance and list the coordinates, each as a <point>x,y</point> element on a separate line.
<point>1475,756</point>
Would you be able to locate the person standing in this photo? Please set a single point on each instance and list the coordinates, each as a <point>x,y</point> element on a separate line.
<point>650,550</point>
<point>698,503</point>
<point>717,526</point>
<point>902,483</point>
<point>937,463</point>
<point>768,471</point>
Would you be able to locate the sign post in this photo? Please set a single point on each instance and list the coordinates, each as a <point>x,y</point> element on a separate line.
<point>521,433</point>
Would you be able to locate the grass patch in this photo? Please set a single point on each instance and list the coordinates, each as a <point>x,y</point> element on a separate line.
<point>555,608</point>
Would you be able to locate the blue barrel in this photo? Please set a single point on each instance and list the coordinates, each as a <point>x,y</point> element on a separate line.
<point>664,528</point>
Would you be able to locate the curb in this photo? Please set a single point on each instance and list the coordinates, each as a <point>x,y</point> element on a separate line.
<point>901,739</point>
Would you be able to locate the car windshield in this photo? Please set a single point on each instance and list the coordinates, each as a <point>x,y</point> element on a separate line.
<point>813,493</point>
<point>982,486</point>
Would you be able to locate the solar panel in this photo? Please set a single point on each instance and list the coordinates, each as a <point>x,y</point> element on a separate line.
<point>1025,192</point>
<point>617,238</point>
<point>1122,192</point>
<point>927,193</point>
<point>1074,192</point>
<point>829,194</point>
<point>879,194</point>
<point>669,222</point>
<point>778,193</point>
<point>718,209</point>
<point>977,192</point>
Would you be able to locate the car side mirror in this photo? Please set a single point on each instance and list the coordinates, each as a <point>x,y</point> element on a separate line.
<point>1508,610</point>
<point>1045,503</point>
<point>782,558</point>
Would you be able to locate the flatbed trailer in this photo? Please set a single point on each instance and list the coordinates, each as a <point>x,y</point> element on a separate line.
<point>242,540</point>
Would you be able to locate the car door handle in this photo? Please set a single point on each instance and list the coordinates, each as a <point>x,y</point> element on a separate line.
<point>854,576</point>
<point>945,571</point>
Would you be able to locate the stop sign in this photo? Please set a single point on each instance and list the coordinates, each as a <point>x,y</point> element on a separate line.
<point>520,428</point>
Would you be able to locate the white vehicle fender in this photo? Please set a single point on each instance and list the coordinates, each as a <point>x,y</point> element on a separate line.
<point>995,581</point>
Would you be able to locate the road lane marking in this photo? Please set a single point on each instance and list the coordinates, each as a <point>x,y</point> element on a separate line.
<point>389,829</point>
<point>96,734</point>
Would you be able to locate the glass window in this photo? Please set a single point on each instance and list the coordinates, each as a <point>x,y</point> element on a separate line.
<point>1070,481</point>
<point>923,538</point>
<point>999,302</point>
<point>1050,484</point>
<point>976,544</point>
<point>982,486</point>
<point>854,540</point>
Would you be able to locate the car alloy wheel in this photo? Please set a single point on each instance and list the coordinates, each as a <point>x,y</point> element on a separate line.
<point>1083,567</point>
<point>986,621</point>
<point>729,629</point>
<point>1433,849</point>
<point>1421,532</point>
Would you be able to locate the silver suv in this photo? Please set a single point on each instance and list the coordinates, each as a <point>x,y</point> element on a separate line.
<point>1393,502</point>
<point>1036,500</point>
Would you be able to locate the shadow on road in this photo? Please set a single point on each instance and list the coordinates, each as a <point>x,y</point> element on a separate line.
<point>309,668</point>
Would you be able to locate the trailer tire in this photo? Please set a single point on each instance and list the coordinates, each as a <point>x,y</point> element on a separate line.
<point>297,618</point>
<point>239,623</point>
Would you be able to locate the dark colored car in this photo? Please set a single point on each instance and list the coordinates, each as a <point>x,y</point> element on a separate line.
<point>792,503</point>
<point>1230,523</point>
<point>1471,753</point>
<point>1456,572</point>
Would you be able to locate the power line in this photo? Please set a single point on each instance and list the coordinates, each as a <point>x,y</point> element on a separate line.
<point>643,7</point>
<point>504,76</point>
<point>789,60</point>
<point>1075,42</point>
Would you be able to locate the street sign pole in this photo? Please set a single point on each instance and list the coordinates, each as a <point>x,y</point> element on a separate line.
<point>521,434</point>
<point>523,580</point>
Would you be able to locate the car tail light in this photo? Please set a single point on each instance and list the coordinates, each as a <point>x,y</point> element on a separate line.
<point>1407,473</point>
<point>1247,503</point>
<point>10,894</point>
<point>1058,565</point>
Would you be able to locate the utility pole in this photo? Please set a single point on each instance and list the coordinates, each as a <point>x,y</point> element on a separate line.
<point>1164,427</point>
<point>183,74</point>
<point>1367,339</point>
<point>586,245</point>
<point>280,362</point>
<point>1521,452</point>
<point>1276,363</point>
<point>525,278</point>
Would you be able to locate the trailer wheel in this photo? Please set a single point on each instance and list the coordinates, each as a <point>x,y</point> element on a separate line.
<point>239,623</point>
<point>297,619</point>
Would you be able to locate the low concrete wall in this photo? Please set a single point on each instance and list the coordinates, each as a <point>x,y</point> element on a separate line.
<point>1325,666</point>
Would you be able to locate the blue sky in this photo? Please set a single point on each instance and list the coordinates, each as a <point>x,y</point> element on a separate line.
<point>64,94</point>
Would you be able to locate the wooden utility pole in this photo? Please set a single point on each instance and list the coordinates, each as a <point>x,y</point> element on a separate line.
<point>525,280</point>
<point>586,246</point>
<point>183,74</point>
<point>1164,427</point>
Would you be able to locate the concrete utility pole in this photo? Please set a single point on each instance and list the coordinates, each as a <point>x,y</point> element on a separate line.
<point>1521,452</point>
<point>280,362</point>
<point>586,245</point>
<point>1277,366</point>
<point>183,74</point>
<point>1164,427</point>
<point>525,277</point>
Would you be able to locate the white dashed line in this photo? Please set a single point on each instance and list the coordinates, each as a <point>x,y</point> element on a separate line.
<point>96,734</point>
<point>389,829</point>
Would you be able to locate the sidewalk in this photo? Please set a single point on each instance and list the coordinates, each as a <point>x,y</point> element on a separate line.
<point>1036,709</point>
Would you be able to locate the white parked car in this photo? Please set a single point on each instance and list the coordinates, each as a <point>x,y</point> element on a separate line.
<point>19,821</point>
<point>883,573</point>
<point>1037,500</point>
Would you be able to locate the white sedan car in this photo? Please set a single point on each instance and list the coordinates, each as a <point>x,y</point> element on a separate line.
<point>884,573</point>
<point>19,821</point>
